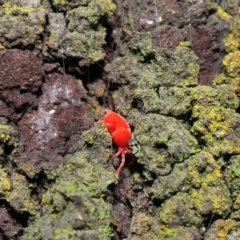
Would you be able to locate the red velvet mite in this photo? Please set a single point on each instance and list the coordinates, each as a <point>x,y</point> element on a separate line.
<point>121,134</point>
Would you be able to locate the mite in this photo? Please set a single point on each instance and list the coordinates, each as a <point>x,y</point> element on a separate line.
<point>121,135</point>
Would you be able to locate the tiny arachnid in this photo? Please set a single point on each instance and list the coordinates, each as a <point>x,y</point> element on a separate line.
<point>121,135</point>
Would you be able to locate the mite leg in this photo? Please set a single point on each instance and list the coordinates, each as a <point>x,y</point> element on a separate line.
<point>121,165</point>
<point>117,154</point>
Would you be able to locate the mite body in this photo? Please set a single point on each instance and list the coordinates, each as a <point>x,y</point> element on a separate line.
<point>121,135</point>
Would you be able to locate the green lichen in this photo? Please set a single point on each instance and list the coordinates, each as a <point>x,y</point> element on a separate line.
<point>219,128</point>
<point>223,95</point>
<point>231,63</point>
<point>142,42</point>
<point>84,36</point>
<point>7,135</point>
<point>231,60</point>
<point>215,199</point>
<point>5,185</point>
<point>161,144</point>
<point>59,2</point>
<point>177,233</point>
<point>97,9</point>
<point>161,86</point>
<point>223,229</point>
<point>235,165</point>
<point>223,15</point>
<point>17,193</point>
<point>179,209</point>
<point>21,23</point>
<point>231,43</point>
<point>74,205</point>
<point>166,186</point>
<point>200,182</point>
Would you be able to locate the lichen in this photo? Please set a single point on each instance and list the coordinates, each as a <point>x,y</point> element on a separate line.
<point>74,206</point>
<point>223,15</point>
<point>84,36</point>
<point>7,135</point>
<point>5,186</point>
<point>218,128</point>
<point>21,23</point>
<point>15,190</point>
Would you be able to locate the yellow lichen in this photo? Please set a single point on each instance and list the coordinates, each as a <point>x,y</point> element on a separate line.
<point>223,15</point>
<point>14,8</point>
<point>232,63</point>
<point>232,42</point>
<point>6,134</point>
<point>59,2</point>
<point>6,184</point>
<point>224,228</point>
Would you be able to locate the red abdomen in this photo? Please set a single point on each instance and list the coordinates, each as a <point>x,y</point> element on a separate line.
<point>118,127</point>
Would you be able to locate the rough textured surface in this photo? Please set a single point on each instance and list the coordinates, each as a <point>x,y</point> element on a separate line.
<point>171,68</point>
<point>48,132</point>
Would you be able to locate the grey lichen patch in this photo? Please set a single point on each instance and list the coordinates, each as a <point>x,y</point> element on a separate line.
<point>74,206</point>
<point>22,23</point>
